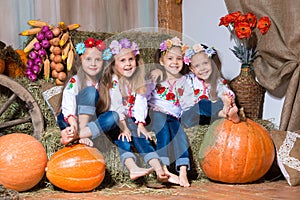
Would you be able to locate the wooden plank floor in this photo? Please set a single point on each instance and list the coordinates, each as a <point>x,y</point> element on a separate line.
<point>206,191</point>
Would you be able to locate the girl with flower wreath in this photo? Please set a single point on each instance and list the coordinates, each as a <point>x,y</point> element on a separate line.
<point>212,97</point>
<point>167,99</point>
<point>80,94</point>
<point>122,90</point>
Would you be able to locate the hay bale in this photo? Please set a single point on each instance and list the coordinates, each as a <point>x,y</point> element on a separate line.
<point>115,173</point>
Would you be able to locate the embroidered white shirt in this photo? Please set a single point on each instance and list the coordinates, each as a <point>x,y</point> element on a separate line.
<point>168,98</point>
<point>133,105</point>
<point>202,90</point>
<point>68,104</point>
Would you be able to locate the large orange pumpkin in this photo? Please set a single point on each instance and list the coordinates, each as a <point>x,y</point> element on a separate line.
<point>76,168</point>
<point>236,153</point>
<point>23,160</point>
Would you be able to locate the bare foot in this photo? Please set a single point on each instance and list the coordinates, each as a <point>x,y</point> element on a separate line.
<point>161,175</point>
<point>67,136</point>
<point>172,177</point>
<point>183,180</point>
<point>233,114</point>
<point>138,172</point>
<point>86,141</point>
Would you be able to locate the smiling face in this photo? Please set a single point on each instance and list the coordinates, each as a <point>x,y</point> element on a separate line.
<point>125,63</point>
<point>172,61</point>
<point>201,66</point>
<point>92,63</point>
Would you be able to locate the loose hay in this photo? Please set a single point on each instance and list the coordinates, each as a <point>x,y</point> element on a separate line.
<point>116,174</point>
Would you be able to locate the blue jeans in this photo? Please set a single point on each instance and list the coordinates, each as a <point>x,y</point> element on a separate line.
<point>171,138</point>
<point>86,100</point>
<point>108,123</point>
<point>203,112</point>
<point>142,145</point>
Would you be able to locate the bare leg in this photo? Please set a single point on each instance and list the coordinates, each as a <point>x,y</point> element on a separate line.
<point>227,101</point>
<point>172,177</point>
<point>136,171</point>
<point>156,165</point>
<point>83,120</point>
<point>183,180</point>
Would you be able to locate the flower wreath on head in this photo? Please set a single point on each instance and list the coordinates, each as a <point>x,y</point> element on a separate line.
<point>116,46</point>
<point>188,54</point>
<point>174,42</point>
<point>89,43</point>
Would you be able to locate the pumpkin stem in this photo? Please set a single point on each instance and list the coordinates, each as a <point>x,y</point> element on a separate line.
<point>242,115</point>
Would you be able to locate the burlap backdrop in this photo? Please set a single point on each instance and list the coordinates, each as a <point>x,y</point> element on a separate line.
<point>277,66</point>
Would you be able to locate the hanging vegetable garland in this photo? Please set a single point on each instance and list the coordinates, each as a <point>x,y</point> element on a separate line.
<point>50,50</point>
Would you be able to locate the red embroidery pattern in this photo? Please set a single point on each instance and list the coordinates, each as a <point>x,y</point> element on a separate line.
<point>169,95</point>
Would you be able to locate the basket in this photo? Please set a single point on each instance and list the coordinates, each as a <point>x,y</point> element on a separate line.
<point>249,93</point>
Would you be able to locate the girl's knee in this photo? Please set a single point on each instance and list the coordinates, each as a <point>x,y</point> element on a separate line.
<point>112,116</point>
<point>87,96</point>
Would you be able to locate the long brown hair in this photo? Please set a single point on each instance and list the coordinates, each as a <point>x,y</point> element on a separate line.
<point>136,83</point>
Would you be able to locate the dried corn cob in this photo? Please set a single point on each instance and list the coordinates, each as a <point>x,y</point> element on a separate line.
<point>32,31</point>
<point>66,50</point>
<point>73,26</point>
<point>63,26</point>
<point>46,69</point>
<point>70,60</point>
<point>37,23</point>
<point>64,38</point>
<point>30,45</point>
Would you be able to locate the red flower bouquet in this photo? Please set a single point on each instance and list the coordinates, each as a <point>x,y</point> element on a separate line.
<point>242,30</point>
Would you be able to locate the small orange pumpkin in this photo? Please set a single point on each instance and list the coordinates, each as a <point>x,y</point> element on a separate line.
<point>236,153</point>
<point>76,168</point>
<point>22,161</point>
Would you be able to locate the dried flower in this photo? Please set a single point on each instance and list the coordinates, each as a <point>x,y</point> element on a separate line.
<point>241,28</point>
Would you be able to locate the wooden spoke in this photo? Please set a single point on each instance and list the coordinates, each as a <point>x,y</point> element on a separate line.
<point>35,114</point>
<point>8,103</point>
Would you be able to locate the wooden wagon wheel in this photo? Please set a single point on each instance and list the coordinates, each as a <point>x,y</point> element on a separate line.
<point>35,114</point>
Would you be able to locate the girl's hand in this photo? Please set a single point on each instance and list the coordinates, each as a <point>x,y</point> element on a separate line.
<point>141,129</point>
<point>125,134</point>
<point>156,75</point>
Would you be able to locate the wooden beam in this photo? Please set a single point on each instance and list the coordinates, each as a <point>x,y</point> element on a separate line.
<point>170,15</point>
